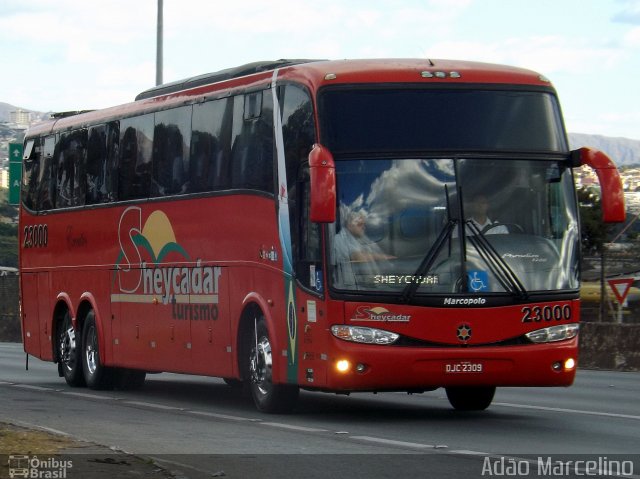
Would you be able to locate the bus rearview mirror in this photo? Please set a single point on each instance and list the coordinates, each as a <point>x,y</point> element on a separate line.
<point>322,174</point>
<point>612,193</point>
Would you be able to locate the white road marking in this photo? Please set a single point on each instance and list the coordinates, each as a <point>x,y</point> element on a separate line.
<point>390,442</point>
<point>221,416</point>
<point>87,395</point>
<point>292,427</point>
<point>153,405</point>
<point>29,386</point>
<point>468,453</point>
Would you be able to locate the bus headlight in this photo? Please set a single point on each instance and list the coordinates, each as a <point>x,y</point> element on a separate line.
<point>554,333</point>
<point>360,334</point>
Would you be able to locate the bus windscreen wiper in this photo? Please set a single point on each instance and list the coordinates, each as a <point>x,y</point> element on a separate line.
<point>498,266</point>
<point>430,258</point>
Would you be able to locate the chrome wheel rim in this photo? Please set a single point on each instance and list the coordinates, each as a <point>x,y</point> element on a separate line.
<point>68,347</point>
<point>261,366</point>
<point>91,351</point>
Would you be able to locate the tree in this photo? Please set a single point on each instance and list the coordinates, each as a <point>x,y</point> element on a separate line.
<point>593,231</point>
<point>8,233</point>
<point>9,250</point>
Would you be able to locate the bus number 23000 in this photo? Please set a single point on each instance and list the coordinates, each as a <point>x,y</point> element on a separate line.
<point>36,236</point>
<point>537,314</point>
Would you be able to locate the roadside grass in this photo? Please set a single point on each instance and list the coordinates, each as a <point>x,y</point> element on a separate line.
<point>17,440</point>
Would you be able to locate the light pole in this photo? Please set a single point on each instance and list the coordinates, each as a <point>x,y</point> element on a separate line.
<point>159,46</point>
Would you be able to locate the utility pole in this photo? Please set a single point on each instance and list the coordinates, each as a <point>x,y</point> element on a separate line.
<point>159,46</point>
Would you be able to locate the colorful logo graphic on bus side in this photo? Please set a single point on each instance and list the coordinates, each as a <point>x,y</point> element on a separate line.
<point>144,271</point>
<point>378,313</point>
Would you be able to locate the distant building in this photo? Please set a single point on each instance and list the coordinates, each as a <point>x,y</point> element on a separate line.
<point>4,178</point>
<point>21,118</point>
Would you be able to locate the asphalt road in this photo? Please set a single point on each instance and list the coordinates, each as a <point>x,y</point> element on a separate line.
<point>200,427</point>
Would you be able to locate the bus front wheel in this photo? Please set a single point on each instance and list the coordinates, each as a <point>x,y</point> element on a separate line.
<point>470,398</point>
<point>268,397</point>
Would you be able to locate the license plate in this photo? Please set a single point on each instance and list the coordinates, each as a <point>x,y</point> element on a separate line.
<point>463,367</point>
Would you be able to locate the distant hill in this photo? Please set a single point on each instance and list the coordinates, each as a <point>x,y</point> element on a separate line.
<point>623,151</point>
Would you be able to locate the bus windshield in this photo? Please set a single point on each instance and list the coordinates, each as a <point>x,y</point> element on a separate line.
<point>440,226</point>
<point>417,119</point>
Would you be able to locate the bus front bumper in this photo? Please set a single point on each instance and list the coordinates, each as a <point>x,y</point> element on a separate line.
<point>358,367</point>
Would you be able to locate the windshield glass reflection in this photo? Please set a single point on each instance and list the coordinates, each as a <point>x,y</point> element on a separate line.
<point>443,226</point>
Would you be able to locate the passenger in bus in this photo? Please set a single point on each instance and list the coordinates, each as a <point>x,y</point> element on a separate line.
<point>355,254</point>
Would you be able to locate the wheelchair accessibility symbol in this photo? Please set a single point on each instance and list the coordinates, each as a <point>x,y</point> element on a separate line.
<point>478,281</point>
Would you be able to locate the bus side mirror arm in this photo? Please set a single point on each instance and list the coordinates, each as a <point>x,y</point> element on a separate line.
<point>611,191</point>
<point>322,173</point>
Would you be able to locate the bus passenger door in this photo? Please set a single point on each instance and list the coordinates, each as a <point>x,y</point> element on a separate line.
<point>30,325</point>
<point>210,326</point>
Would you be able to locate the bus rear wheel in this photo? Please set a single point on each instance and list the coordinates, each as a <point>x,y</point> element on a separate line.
<point>471,398</point>
<point>267,396</point>
<point>96,375</point>
<point>69,353</point>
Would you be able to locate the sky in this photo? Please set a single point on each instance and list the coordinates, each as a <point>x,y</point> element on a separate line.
<point>61,55</point>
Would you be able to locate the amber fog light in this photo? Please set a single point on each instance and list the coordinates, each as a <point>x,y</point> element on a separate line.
<point>342,366</point>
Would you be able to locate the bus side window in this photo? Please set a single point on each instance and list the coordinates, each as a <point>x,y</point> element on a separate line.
<point>96,158</point>
<point>46,176</point>
<point>298,131</point>
<point>70,153</point>
<point>31,167</point>
<point>211,145</point>
<point>102,163</point>
<point>252,151</point>
<point>171,139</point>
<point>310,250</point>
<point>111,165</point>
<point>136,142</point>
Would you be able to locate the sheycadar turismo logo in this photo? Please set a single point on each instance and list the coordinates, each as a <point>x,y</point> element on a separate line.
<point>153,267</point>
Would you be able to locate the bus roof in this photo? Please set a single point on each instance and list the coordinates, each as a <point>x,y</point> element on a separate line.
<point>216,77</point>
<point>362,71</point>
<point>314,73</point>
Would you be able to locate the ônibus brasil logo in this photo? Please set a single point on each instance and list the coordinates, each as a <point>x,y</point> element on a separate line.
<point>152,267</point>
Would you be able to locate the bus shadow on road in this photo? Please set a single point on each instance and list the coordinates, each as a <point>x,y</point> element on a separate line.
<point>197,392</point>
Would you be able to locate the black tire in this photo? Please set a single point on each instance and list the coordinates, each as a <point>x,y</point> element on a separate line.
<point>267,396</point>
<point>69,352</point>
<point>96,375</point>
<point>470,398</point>
<point>128,379</point>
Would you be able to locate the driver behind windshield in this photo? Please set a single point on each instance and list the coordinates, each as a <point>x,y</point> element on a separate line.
<point>477,211</point>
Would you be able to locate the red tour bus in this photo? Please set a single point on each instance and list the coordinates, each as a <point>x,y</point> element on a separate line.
<point>340,226</point>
